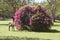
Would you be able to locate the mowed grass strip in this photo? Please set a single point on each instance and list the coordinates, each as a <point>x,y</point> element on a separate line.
<point>24,35</point>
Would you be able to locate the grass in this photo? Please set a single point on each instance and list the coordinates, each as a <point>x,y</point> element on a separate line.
<point>25,35</point>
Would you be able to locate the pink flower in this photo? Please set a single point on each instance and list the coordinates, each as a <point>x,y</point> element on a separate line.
<point>32,9</point>
<point>30,21</point>
<point>15,17</point>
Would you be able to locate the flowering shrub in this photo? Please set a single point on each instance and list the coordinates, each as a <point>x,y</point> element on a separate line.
<point>33,18</point>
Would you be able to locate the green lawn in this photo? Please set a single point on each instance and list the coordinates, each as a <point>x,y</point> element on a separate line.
<point>25,35</point>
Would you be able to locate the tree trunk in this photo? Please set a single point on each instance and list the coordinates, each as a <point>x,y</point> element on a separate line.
<point>52,4</point>
<point>53,13</point>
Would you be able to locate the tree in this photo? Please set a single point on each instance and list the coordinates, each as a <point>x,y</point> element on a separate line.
<point>10,6</point>
<point>53,4</point>
<point>12,3</point>
<point>15,4</point>
<point>3,8</point>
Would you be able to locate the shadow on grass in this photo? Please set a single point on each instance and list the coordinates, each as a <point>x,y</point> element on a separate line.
<point>49,31</point>
<point>46,31</point>
<point>57,21</point>
<point>56,25</point>
<point>19,38</point>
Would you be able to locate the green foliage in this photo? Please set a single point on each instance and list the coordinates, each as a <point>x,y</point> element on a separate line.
<point>3,8</point>
<point>9,7</point>
<point>58,6</point>
<point>57,3</point>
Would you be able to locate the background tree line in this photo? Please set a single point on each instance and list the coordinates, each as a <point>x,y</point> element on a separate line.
<point>8,7</point>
